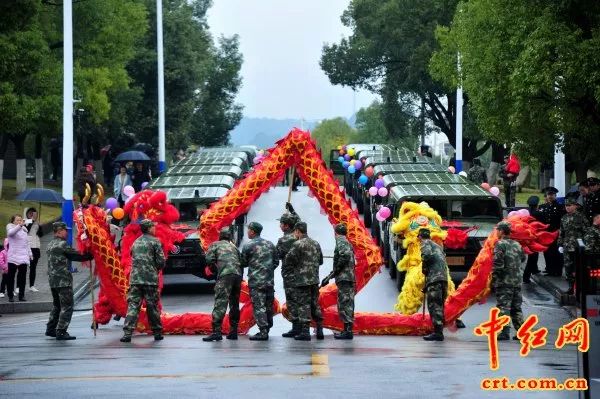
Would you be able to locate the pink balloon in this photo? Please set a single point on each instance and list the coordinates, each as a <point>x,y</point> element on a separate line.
<point>512,213</point>
<point>379,217</point>
<point>385,212</point>
<point>451,169</point>
<point>373,191</point>
<point>382,192</point>
<point>495,191</point>
<point>485,186</point>
<point>523,212</point>
<point>128,191</point>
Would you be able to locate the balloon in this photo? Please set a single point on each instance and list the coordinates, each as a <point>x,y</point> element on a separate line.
<point>339,147</point>
<point>495,191</point>
<point>341,159</point>
<point>523,212</point>
<point>351,152</point>
<point>373,191</point>
<point>451,169</point>
<point>358,165</point>
<point>128,191</point>
<point>347,157</point>
<point>362,179</point>
<point>382,192</point>
<point>379,217</point>
<point>345,164</point>
<point>462,173</point>
<point>369,171</point>
<point>485,186</point>
<point>512,213</point>
<point>144,184</point>
<point>352,162</point>
<point>379,183</point>
<point>118,213</point>
<point>112,203</point>
<point>385,212</point>
<point>351,169</point>
<point>342,152</point>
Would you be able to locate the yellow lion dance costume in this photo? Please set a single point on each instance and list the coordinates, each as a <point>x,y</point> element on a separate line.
<point>412,218</point>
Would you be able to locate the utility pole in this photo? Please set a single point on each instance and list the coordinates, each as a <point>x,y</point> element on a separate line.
<point>459,121</point>
<point>162,165</point>
<point>67,168</point>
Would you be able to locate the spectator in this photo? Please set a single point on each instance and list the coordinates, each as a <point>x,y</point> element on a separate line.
<point>19,256</point>
<point>34,232</point>
<point>140,175</point>
<point>85,176</point>
<point>121,180</point>
<point>4,271</point>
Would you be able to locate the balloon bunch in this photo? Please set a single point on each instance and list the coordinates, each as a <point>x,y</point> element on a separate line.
<point>495,191</point>
<point>383,213</point>
<point>378,189</point>
<point>113,205</point>
<point>259,157</point>
<point>520,212</point>
<point>352,165</point>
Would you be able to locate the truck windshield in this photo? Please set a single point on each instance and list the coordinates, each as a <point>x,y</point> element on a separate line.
<point>187,211</point>
<point>475,208</point>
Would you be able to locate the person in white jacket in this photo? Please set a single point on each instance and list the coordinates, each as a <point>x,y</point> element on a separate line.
<point>19,256</point>
<point>121,180</point>
<point>34,232</point>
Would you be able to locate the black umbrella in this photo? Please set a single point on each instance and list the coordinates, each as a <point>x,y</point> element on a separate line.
<point>40,195</point>
<point>132,156</point>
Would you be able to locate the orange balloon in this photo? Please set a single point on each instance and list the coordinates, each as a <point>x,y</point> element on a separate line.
<point>485,186</point>
<point>369,171</point>
<point>118,213</point>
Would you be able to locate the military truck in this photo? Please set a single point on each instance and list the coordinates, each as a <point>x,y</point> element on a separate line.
<point>466,205</point>
<point>193,170</point>
<point>216,158</point>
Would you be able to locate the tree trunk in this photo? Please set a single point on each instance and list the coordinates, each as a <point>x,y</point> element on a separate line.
<point>497,160</point>
<point>3,146</point>
<point>19,142</point>
<point>581,171</point>
<point>524,177</point>
<point>39,162</point>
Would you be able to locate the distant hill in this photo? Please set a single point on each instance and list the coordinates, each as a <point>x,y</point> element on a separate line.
<point>263,132</point>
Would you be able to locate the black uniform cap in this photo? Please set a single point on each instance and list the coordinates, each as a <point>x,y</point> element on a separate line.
<point>550,190</point>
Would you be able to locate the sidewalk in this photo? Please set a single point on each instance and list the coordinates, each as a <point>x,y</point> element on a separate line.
<point>42,301</point>
<point>554,285</point>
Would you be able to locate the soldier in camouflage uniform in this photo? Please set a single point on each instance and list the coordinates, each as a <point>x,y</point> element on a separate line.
<point>147,258</point>
<point>592,240</point>
<point>435,270</point>
<point>343,272</point>
<point>506,278</point>
<point>573,225</point>
<point>286,223</point>
<point>305,257</point>
<point>61,282</point>
<point>260,257</point>
<point>223,258</point>
<point>477,173</point>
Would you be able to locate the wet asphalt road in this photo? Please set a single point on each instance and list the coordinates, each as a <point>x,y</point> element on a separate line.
<point>32,365</point>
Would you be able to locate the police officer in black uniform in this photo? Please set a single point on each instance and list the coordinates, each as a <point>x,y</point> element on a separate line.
<point>591,205</point>
<point>551,212</point>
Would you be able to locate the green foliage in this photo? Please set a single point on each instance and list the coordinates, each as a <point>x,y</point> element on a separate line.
<point>371,128</point>
<point>331,133</point>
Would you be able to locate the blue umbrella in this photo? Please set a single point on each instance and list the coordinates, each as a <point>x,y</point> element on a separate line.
<point>132,156</point>
<point>40,195</point>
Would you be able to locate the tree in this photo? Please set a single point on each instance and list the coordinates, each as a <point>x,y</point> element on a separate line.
<point>371,127</point>
<point>216,112</point>
<point>530,72</point>
<point>331,133</point>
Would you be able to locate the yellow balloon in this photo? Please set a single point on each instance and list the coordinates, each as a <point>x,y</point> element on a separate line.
<point>339,147</point>
<point>352,161</point>
<point>351,152</point>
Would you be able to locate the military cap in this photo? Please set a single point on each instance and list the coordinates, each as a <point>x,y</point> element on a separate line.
<point>287,218</point>
<point>225,234</point>
<point>592,181</point>
<point>550,190</point>
<point>56,226</point>
<point>503,226</point>
<point>301,227</point>
<point>534,200</point>
<point>570,201</point>
<point>424,233</point>
<point>255,227</point>
<point>146,225</point>
<point>341,228</point>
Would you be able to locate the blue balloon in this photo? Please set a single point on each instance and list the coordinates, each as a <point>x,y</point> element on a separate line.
<point>363,179</point>
<point>351,169</point>
<point>341,159</point>
<point>346,164</point>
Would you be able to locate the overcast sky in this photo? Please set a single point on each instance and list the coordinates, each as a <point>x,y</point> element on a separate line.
<point>281,41</point>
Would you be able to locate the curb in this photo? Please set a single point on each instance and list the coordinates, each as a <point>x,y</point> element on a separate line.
<point>556,292</point>
<point>79,293</point>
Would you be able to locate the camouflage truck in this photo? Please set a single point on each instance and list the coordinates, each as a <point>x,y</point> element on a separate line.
<point>216,158</point>
<point>460,202</point>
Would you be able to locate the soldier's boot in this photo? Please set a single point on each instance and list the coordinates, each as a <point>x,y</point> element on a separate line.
<point>460,324</point>
<point>63,335</point>
<point>233,332</point>
<point>215,336</point>
<point>262,335</point>
<point>346,333</point>
<point>158,336</point>
<point>505,334</point>
<point>51,331</point>
<point>320,331</point>
<point>304,334</point>
<point>126,337</point>
<point>436,335</point>
<point>293,332</point>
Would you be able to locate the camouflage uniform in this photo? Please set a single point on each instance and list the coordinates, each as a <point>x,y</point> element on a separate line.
<point>224,257</point>
<point>477,174</point>
<point>435,270</point>
<point>305,257</point>
<point>510,186</point>
<point>506,278</point>
<point>592,239</point>
<point>343,271</point>
<point>61,282</point>
<point>284,244</point>
<point>260,257</point>
<point>572,226</point>
<point>147,258</point>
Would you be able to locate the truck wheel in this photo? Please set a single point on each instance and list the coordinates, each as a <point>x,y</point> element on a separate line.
<point>368,217</point>
<point>400,276</point>
<point>360,205</point>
